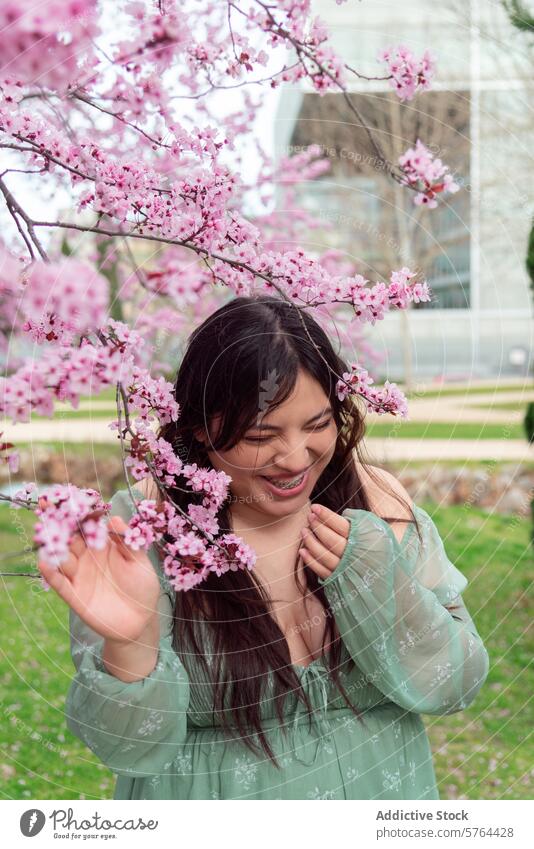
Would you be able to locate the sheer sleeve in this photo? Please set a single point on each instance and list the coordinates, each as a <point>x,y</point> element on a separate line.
<point>132,727</point>
<point>390,602</point>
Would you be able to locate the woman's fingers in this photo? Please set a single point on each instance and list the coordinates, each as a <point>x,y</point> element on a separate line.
<point>331,519</point>
<point>57,580</point>
<point>116,528</point>
<point>70,566</point>
<point>318,550</point>
<point>314,564</point>
<point>330,538</point>
<point>324,540</point>
<point>78,548</point>
<point>77,545</point>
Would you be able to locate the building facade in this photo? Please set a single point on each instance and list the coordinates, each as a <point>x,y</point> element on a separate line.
<point>477,118</point>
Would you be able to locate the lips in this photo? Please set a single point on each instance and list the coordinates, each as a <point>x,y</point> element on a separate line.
<point>286,483</point>
<point>286,478</point>
<point>287,486</point>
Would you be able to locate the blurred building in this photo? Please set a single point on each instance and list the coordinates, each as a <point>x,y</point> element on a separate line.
<point>472,248</point>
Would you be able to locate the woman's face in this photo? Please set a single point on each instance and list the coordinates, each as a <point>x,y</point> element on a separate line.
<point>275,466</point>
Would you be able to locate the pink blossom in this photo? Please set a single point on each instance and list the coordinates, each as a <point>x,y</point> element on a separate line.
<point>408,74</point>
<point>95,534</point>
<point>69,291</point>
<point>62,510</point>
<point>24,494</point>
<point>426,174</point>
<point>389,399</point>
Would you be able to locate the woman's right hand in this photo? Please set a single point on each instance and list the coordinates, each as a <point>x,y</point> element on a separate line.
<point>114,590</point>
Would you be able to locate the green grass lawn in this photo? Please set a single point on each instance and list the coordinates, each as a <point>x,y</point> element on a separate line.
<point>521,406</point>
<point>96,449</point>
<point>443,430</point>
<point>108,394</point>
<point>480,753</point>
<point>486,752</point>
<point>41,759</point>
<point>109,413</point>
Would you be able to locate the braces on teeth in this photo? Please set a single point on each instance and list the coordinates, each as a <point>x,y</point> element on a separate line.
<point>288,484</point>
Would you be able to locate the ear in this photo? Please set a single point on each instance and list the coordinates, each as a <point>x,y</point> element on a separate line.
<point>201,435</point>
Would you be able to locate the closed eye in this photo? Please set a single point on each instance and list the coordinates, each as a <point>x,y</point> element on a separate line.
<point>321,426</point>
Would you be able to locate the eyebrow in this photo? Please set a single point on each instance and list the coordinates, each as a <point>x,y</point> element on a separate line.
<point>310,421</point>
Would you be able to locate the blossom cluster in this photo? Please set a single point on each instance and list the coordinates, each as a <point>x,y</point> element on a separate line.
<point>288,24</point>
<point>429,176</point>
<point>60,299</point>
<point>191,209</point>
<point>173,276</point>
<point>62,511</point>
<point>409,75</point>
<point>388,399</point>
<point>190,556</point>
<point>66,371</point>
<point>194,211</point>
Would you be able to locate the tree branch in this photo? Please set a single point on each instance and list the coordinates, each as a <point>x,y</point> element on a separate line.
<point>16,210</point>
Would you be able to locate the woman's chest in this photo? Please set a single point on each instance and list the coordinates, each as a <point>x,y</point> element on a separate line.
<point>303,623</point>
<point>298,613</point>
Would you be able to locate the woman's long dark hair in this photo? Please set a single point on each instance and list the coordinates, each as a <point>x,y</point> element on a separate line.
<point>227,358</point>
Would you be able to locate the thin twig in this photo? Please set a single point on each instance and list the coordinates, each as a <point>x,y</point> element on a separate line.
<point>14,206</point>
<point>20,574</point>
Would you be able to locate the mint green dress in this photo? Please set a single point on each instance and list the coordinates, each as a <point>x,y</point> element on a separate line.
<point>412,657</point>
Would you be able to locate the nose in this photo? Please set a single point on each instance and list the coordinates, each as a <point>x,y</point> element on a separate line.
<point>294,459</point>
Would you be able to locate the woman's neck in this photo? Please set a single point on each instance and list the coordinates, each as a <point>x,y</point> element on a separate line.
<point>244,517</point>
<point>276,541</point>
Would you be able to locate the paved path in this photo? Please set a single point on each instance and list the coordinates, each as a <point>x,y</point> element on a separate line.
<point>61,430</point>
<point>459,408</point>
<point>385,450</point>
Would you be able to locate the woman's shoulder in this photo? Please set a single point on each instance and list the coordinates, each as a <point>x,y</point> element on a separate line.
<point>146,487</point>
<point>380,487</point>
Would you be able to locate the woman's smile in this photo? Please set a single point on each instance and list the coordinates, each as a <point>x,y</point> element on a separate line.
<point>286,486</point>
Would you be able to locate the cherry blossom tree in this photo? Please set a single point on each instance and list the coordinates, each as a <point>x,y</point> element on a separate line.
<point>116,107</point>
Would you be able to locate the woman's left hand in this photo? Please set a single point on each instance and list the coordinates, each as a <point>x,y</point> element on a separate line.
<point>324,540</point>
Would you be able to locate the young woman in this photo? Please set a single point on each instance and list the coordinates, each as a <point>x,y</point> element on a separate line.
<point>304,678</point>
